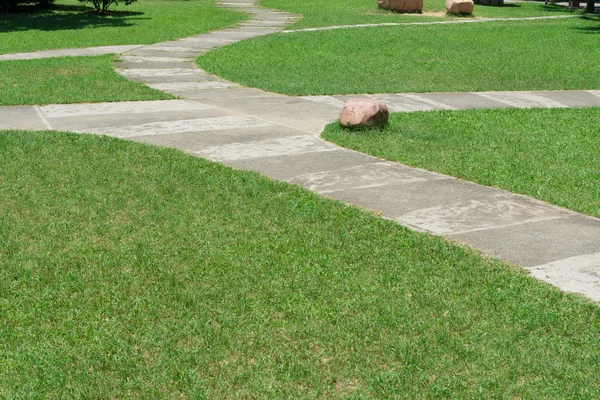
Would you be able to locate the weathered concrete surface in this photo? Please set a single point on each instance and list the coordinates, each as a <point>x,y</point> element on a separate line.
<point>90,51</point>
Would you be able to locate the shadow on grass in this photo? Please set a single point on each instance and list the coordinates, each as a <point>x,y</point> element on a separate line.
<point>590,29</point>
<point>63,17</point>
<point>553,8</point>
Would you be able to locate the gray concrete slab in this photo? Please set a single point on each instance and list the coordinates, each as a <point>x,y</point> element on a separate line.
<point>481,213</point>
<point>362,176</point>
<point>155,65</point>
<point>220,98</point>
<point>177,88</point>
<point>143,52</point>
<point>574,98</point>
<point>397,199</point>
<point>289,167</point>
<point>160,72</point>
<point>538,243</point>
<point>197,141</point>
<point>522,99</point>
<point>580,274</point>
<point>410,102</point>
<point>465,100</point>
<point>212,38</point>
<point>139,59</point>
<point>113,108</point>
<point>199,77</point>
<point>294,112</point>
<point>90,51</point>
<point>21,117</point>
<point>96,123</point>
<point>181,126</point>
<point>290,145</point>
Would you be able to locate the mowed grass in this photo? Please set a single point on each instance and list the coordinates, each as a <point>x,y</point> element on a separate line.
<point>69,24</point>
<point>327,13</point>
<point>524,55</point>
<point>68,80</point>
<point>549,154</point>
<point>134,271</point>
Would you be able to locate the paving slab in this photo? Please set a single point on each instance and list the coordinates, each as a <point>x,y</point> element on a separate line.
<point>539,242</point>
<point>573,98</point>
<point>220,98</point>
<point>97,123</point>
<point>290,145</point>
<point>198,77</point>
<point>179,87</point>
<point>465,100</point>
<point>124,107</point>
<point>21,117</point>
<point>410,102</point>
<point>522,99</point>
<point>185,64</point>
<point>361,176</point>
<point>141,59</point>
<point>163,72</point>
<point>580,274</point>
<point>157,53</point>
<point>212,38</point>
<point>294,112</point>
<point>289,167</point>
<point>180,126</point>
<point>91,51</point>
<point>397,199</point>
<point>197,141</point>
<point>480,213</point>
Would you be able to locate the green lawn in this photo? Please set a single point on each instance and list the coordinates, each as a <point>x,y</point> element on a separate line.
<point>68,80</point>
<point>549,154</point>
<point>134,271</point>
<point>68,25</point>
<point>326,12</point>
<point>524,55</point>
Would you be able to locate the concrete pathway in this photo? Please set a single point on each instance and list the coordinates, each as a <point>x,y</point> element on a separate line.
<point>278,136</point>
<point>88,51</point>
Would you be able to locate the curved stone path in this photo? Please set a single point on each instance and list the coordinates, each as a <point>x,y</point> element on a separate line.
<point>279,136</point>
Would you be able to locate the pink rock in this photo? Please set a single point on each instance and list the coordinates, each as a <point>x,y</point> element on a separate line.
<point>402,5</point>
<point>359,112</point>
<point>459,6</point>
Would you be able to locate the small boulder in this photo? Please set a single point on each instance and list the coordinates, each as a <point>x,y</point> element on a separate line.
<point>364,112</point>
<point>402,5</point>
<point>459,6</point>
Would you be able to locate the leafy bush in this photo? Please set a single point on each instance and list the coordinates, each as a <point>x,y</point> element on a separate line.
<point>101,6</point>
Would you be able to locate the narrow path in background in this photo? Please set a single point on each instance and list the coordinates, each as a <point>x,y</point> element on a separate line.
<point>279,136</point>
<point>454,21</point>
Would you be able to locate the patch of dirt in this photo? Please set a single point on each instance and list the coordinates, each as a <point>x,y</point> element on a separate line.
<point>434,14</point>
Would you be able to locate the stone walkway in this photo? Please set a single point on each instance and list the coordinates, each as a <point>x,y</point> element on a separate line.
<point>279,136</point>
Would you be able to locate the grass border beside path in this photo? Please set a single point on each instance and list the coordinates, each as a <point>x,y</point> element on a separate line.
<point>128,270</point>
<point>549,154</point>
<point>517,55</point>
<point>68,25</point>
<point>64,80</point>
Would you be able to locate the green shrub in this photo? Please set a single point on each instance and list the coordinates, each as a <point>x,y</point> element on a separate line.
<point>102,6</point>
